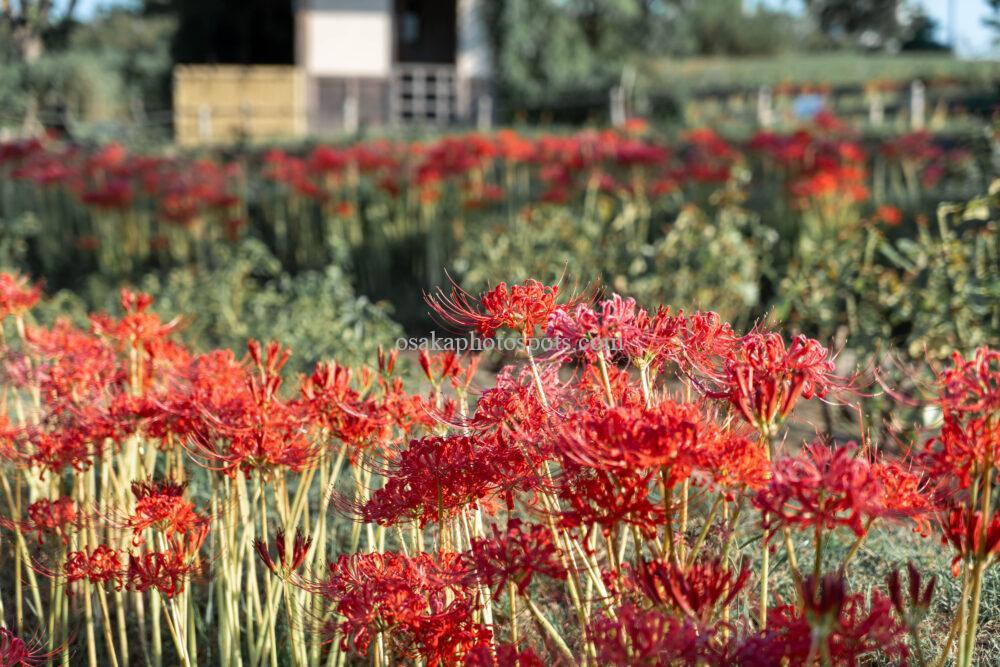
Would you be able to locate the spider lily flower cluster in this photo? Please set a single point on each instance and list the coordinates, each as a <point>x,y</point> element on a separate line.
<point>172,208</point>
<point>168,506</point>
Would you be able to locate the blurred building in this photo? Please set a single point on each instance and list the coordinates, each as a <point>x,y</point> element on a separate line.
<point>380,62</point>
<point>358,63</point>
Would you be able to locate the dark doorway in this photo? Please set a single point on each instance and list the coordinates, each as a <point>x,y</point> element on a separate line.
<point>426,31</point>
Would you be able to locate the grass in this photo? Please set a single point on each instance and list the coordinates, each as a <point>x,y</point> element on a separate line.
<point>835,69</point>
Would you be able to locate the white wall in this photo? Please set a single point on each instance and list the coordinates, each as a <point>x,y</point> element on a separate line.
<point>473,58</point>
<point>345,37</point>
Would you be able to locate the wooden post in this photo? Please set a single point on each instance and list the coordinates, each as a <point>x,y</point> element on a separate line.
<point>765,106</point>
<point>616,98</point>
<point>484,113</point>
<point>351,110</point>
<point>205,123</point>
<point>918,105</point>
<point>876,108</point>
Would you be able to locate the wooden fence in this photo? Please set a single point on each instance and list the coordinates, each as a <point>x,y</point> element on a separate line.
<point>229,103</point>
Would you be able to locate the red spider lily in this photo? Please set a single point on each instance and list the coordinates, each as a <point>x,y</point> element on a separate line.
<point>836,184</point>
<point>513,405</point>
<point>483,196</point>
<point>165,572</point>
<point>514,555</point>
<point>407,412</point>
<point>612,329</point>
<point>210,385</point>
<point>504,655</point>
<point>162,505</point>
<point>846,630</point>
<point>328,160</point>
<point>670,435</point>
<point>843,628</point>
<point>634,153</point>
<point>107,158</point>
<point>294,173</point>
<point>915,147</point>
<point>407,599</point>
<point>971,535</point>
<point>286,562</point>
<point>74,437</point>
<point>888,215</point>
<point>916,605</point>
<point>139,329</point>
<point>902,494</point>
<point>435,477</point>
<point>115,193</point>
<point>662,336</point>
<point>12,151</point>
<point>17,295</point>
<point>57,451</point>
<point>636,636</point>
<point>703,337</point>
<point>788,640</point>
<point>76,367</point>
<point>101,565</point>
<point>765,379</point>
<point>823,600</point>
<point>606,499</point>
<point>590,393</point>
<point>707,138</point>
<point>15,652</point>
<point>448,366</point>
<point>828,122</point>
<point>513,147</point>
<point>521,308</point>
<point>963,450</point>
<point>821,486</point>
<point>330,401</point>
<point>696,590</point>
<point>972,386</point>
<point>11,438</point>
<point>52,517</point>
<point>261,431</point>
<point>734,462</point>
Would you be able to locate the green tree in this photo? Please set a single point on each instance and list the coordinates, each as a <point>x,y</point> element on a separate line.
<point>28,22</point>
<point>569,51</point>
<point>82,76</point>
<point>993,20</point>
<point>923,34</point>
<point>870,24</point>
<point>137,49</point>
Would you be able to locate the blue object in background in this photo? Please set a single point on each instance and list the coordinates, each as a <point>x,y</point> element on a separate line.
<point>807,105</point>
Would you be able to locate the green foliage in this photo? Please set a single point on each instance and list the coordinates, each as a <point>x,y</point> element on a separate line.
<point>922,293</point>
<point>316,313</point>
<point>559,53</point>
<point>708,260</point>
<point>542,53</point>
<point>870,24</point>
<point>992,21</point>
<point>698,258</point>
<point>137,49</point>
<point>722,28</point>
<point>94,80</point>
<point>831,68</point>
<point>939,291</point>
